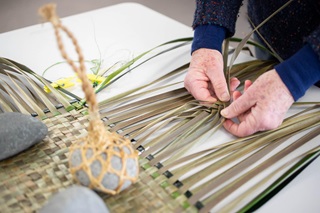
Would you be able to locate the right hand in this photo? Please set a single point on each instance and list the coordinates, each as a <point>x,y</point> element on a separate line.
<point>262,106</point>
<point>205,79</point>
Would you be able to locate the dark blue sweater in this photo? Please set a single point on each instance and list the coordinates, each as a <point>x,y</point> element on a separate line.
<point>294,33</point>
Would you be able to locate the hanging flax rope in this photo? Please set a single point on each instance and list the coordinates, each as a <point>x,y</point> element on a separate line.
<point>103,160</point>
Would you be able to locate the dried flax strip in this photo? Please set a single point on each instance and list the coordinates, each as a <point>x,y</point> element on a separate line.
<point>6,106</point>
<point>190,138</point>
<point>223,193</point>
<point>13,100</point>
<point>184,187</point>
<point>5,76</point>
<point>227,160</point>
<point>27,98</point>
<point>210,157</point>
<point>148,138</point>
<point>182,143</point>
<point>202,190</point>
<point>18,101</point>
<point>253,70</point>
<point>168,138</point>
<point>168,122</point>
<point>170,114</point>
<point>305,159</point>
<point>22,70</point>
<point>143,109</point>
<point>156,111</point>
<point>31,88</point>
<point>130,95</point>
<point>126,107</point>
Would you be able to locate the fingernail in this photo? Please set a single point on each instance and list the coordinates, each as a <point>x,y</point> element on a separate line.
<point>225,97</point>
<point>224,112</point>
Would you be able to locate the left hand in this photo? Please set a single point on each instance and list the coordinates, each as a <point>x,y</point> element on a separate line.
<point>262,106</point>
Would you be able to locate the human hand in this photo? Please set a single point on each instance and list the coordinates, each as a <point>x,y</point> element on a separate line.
<point>261,107</point>
<point>205,79</point>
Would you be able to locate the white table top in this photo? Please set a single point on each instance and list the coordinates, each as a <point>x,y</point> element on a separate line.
<point>126,30</point>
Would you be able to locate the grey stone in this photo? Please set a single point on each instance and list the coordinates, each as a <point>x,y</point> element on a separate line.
<point>110,181</point>
<point>89,153</point>
<point>75,199</point>
<point>18,132</point>
<point>116,162</point>
<point>116,149</point>
<point>126,150</point>
<point>83,177</point>
<point>131,167</point>
<point>125,185</point>
<point>76,158</point>
<point>95,168</point>
<point>104,156</point>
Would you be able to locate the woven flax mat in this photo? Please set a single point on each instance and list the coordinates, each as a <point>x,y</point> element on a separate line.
<point>30,178</point>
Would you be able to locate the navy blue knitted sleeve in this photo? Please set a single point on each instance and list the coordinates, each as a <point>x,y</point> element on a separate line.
<point>219,12</point>
<point>208,36</point>
<point>300,71</point>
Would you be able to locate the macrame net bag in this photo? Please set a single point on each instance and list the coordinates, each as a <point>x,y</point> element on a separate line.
<point>103,160</point>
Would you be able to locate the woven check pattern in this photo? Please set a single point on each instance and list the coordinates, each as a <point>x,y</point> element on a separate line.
<point>30,178</point>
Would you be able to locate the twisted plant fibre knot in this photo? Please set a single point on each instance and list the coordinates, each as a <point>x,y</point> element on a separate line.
<point>48,12</point>
<point>103,160</point>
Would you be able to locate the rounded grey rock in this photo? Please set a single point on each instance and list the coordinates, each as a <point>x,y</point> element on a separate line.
<point>126,150</point>
<point>18,132</point>
<point>110,181</point>
<point>76,158</point>
<point>116,162</point>
<point>95,168</point>
<point>89,153</point>
<point>104,156</point>
<point>83,177</point>
<point>131,167</point>
<point>126,184</point>
<point>75,199</point>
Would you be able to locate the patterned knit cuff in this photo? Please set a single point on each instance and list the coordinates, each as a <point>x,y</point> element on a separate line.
<point>300,71</point>
<point>208,36</point>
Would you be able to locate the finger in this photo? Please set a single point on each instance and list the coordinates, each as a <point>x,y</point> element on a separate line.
<point>219,84</point>
<point>234,83</point>
<point>221,88</point>
<point>247,84</point>
<point>244,128</point>
<point>239,106</point>
<point>236,95</point>
<point>198,88</point>
<point>201,92</point>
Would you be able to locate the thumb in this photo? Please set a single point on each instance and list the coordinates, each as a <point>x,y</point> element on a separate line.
<point>237,107</point>
<point>220,86</point>
<point>216,76</point>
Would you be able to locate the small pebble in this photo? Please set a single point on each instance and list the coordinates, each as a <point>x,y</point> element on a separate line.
<point>109,179</point>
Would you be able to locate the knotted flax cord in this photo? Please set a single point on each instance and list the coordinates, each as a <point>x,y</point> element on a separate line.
<point>103,160</point>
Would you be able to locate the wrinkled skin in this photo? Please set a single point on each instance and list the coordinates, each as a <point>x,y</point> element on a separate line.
<point>262,106</point>
<point>205,78</point>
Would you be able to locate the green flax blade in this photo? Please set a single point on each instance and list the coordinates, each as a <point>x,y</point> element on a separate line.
<point>246,38</point>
